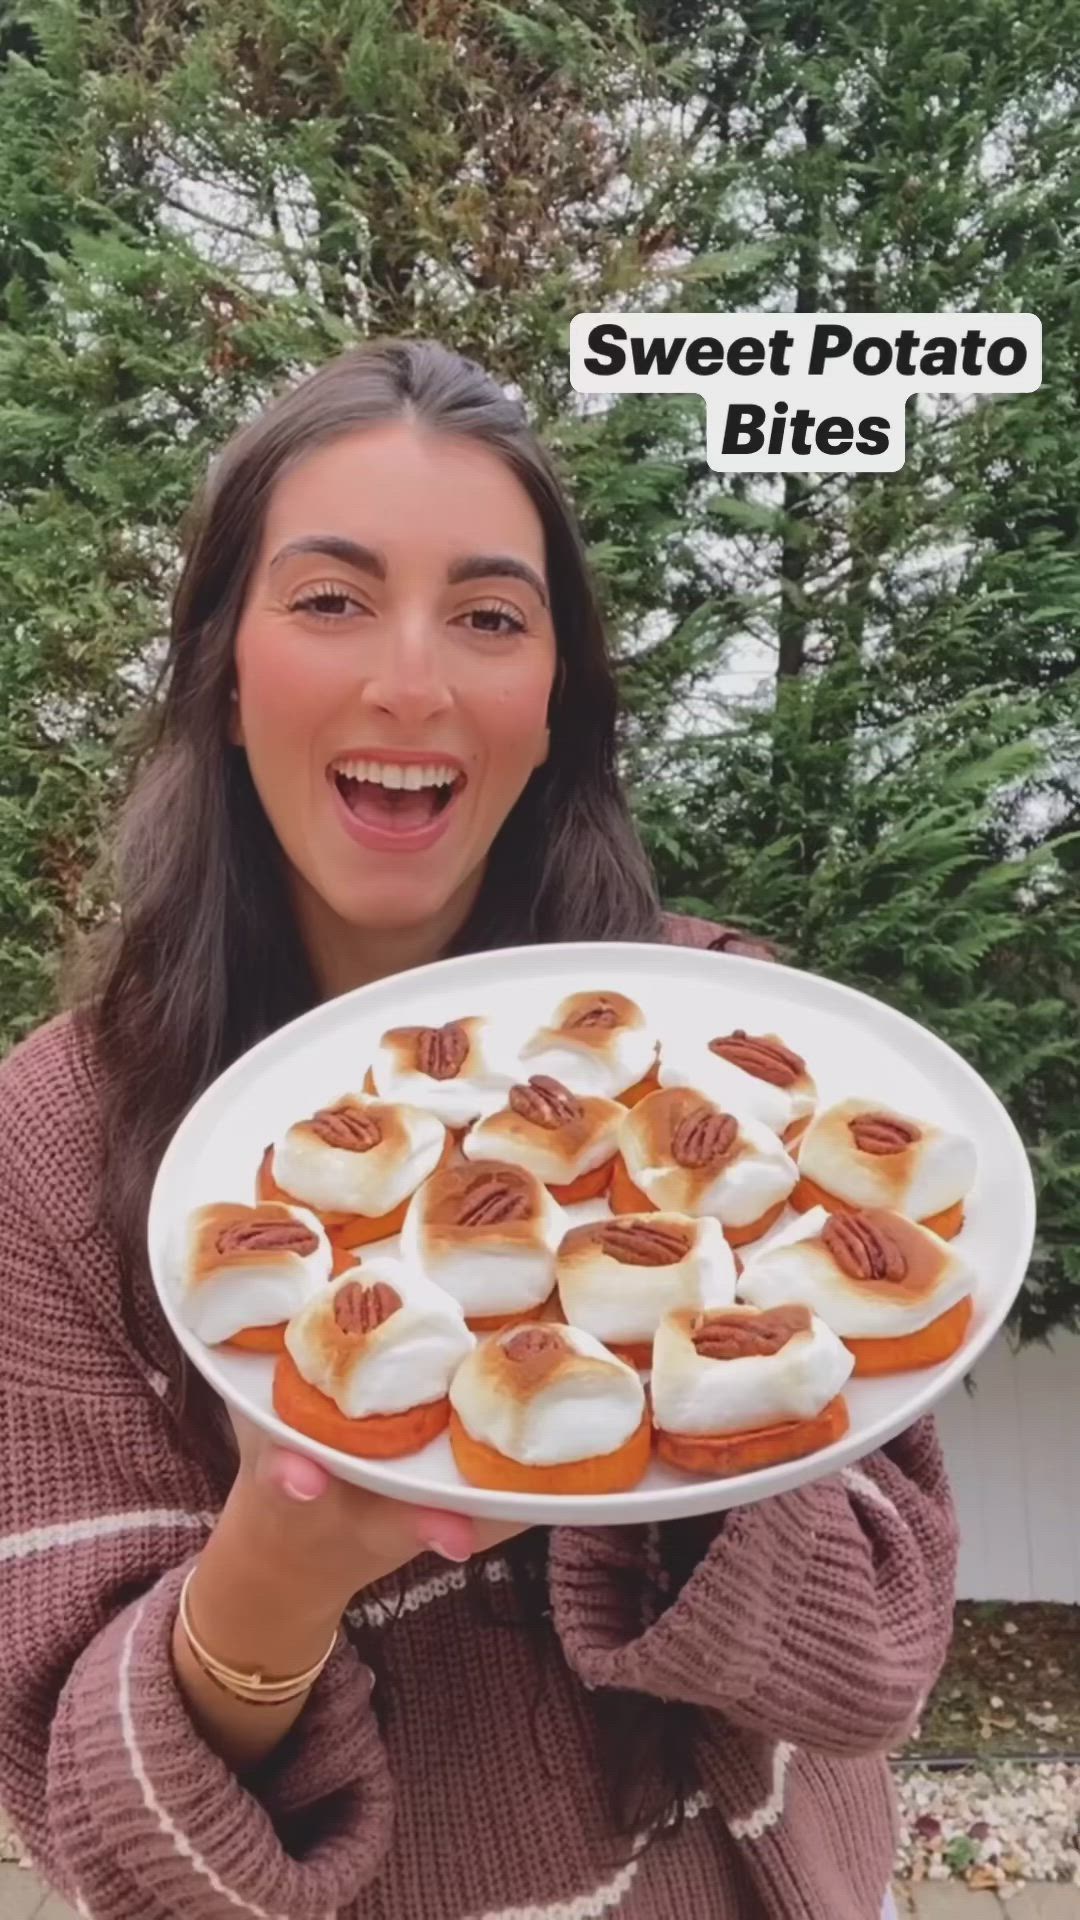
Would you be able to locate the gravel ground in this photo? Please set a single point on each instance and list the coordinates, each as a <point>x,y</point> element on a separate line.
<point>995,1827</point>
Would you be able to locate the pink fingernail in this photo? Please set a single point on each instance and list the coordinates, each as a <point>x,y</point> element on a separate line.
<point>444,1548</point>
<point>302,1480</point>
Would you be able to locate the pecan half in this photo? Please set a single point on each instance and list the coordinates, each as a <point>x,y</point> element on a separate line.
<point>882,1133</point>
<point>441,1051</point>
<point>533,1351</point>
<point>491,1199</point>
<point>349,1128</point>
<point>765,1059</point>
<point>640,1243</point>
<point>266,1236</point>
<point>360,1309</point>
<point>599,1013</point>
<point>703,1137</point>
<point>546,1102</point>
<point>719,1336</point>
<point>863,1248</point>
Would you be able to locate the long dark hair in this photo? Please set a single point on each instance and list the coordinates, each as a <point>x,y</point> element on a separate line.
<point>203,957</point>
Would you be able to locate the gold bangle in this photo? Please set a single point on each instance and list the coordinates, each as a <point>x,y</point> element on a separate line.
<point>253,1688</point>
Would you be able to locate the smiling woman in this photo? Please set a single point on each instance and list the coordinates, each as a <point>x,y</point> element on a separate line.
<point>387,733</point>
<point>393,689</point>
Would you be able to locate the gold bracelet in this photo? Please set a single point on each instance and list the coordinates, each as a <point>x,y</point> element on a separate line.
<point>253,1688</point>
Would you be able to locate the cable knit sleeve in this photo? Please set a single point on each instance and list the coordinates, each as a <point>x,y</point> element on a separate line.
<point>121,1804</point>
<point>819,1617</point>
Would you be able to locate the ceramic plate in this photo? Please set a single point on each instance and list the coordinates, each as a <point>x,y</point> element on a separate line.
<point>853,1045</point>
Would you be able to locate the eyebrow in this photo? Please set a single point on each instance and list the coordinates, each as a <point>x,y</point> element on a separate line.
<point>473,566</point>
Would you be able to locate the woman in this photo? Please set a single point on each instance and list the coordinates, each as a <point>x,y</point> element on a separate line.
<point>690,1720</point>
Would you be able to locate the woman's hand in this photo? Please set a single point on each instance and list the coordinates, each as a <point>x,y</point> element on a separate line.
<point>349,1537</point>
<point>290,1549</point>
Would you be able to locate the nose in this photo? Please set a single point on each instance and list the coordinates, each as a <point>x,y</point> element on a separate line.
<point>408,682</point>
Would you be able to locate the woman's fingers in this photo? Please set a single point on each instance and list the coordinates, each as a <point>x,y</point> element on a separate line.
<point>453,1535</point>
<point>292,1474</point>
<point>403,1529</point>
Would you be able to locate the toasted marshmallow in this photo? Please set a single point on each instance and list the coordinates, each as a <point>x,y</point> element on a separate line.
<point>872,1156</point>
<point>549,1131</point>
<point>359,1155</point>
<point>547,1395</point>
<point>379,1339</point>
<point>687,1156</point>
<point>488,1235</point>
<point>870,1276</point>
<point>595,1043</point>
<point>756,1077</point>
<point>245,1267</point>
<point>618,1278</point>
<point>455,1071</point>
<point>737,1368</point>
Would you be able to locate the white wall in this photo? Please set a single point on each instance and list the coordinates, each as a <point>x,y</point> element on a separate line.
<point>1013,1451</point>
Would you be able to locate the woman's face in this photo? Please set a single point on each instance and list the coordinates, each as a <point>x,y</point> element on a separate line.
<point>394,663</point>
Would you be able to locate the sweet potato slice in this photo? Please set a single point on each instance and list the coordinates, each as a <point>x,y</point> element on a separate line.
<point>808,1194</point>
<point>587,1186</point>
<point>344,1230</point>
<point>905,1352</point>
<point>640,1088</point>
<point>613,1472</point>
<point>636,1353</point>
<point>741,1236</point>
<point>723,1454</point>
<point>259,1339</point>
<point>378,1436</point>
<point>624,1197</point>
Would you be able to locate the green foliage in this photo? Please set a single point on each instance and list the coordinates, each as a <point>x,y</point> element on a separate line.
<point>960,1853</point>
<point>852,704</point>
<point>896,799</point>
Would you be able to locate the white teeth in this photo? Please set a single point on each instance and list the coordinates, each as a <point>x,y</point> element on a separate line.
<point>387,773</point>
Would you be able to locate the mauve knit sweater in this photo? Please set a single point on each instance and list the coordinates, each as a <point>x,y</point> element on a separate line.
<point>809,1630</point>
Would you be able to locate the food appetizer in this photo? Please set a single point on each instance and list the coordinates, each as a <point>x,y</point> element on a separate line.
<point>357,1164</point>
<point>898,1296</point>
<point>547,1409</point>
<point>618,1278</point>
<point>679,1152</point>
<point>754,1075</point>
<point>567,1140</point>
<point>368,1363</point>
<point>597,1043</point>
<point>860,1154</point>
<point>455,1071</point>
<point>738,1388</point>
<point>524,1332</point>
<point>244,1271</point>
<point>487,1234</point>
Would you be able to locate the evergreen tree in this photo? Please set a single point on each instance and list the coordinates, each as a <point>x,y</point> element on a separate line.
<point>899,804</point>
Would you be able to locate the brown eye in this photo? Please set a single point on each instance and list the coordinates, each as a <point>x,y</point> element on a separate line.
<point>492,615</point>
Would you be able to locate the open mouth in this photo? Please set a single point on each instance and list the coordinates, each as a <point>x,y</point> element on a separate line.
<point>402,799</point>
